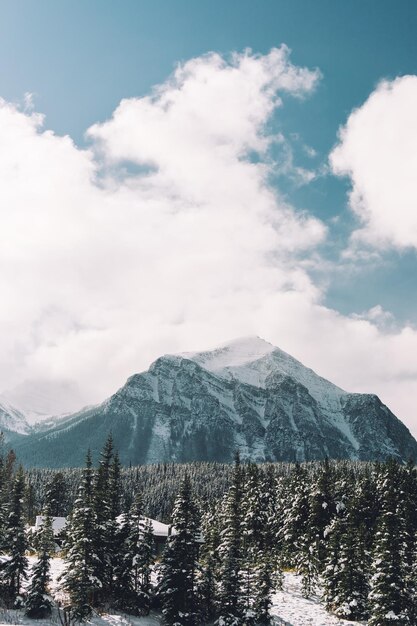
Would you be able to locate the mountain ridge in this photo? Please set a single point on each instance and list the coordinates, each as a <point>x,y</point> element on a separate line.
<point>202,406</point>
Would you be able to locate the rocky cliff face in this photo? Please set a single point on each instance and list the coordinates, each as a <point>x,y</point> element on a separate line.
<point>247,395</point>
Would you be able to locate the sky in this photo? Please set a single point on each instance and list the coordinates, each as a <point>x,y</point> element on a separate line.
<point>174,174</point>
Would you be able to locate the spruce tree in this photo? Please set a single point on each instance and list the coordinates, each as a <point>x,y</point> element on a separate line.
<point>231,598</point>
<point>322,510</point>
<point>296,514</point>
<point>56,495</point>
<point>79,577</point>
<point>407,511</point>
<point>133,575</point>
<point>264,585</point>
<point>209,563</point>
<point>177,588</point>
<point>14,569</point>
<point>103,504</point>
<point>38,603</point>
<point>388,601</point>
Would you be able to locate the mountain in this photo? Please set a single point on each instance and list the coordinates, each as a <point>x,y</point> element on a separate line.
<point>12,420</point>
<point>246,395</point>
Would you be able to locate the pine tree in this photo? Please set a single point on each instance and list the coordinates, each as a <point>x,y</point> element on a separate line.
<point>347,572</point>
<point>208,563</point>
<point>4,488</point>
<point>307,562</point>
<point>177,586</point>
<point>56,494</point>
<point>231,599</point>
<point>407,511</point>
<point>103,504</point>
<point>206,589</point>
<point>296,514</point>
<point>388,601</point>
<point>137,558</point>
<point>38,602</point>
<point>322,510</point>
<point>79,579</point>
<point>262,600</point>
<point>14,570</point>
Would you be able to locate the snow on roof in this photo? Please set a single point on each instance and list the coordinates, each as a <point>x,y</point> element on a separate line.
<point>58,523</point>
<point>158,528</point>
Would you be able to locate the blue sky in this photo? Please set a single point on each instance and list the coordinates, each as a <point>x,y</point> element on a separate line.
<point>79,59</point>
<point>138,239</point>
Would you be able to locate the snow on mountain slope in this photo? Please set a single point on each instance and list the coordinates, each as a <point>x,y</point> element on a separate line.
<point>11,419</point>
<point>251,359</point>
<point>203,406</point>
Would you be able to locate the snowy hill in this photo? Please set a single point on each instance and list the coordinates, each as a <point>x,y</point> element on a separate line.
<point>245,395</point>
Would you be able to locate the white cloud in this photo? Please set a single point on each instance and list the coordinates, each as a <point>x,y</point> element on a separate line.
<point>166,235</point>
<point>377,150</point>
<point>103,266</point>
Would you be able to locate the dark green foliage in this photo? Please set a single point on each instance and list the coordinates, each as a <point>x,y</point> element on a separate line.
<point>350,526</point>
<point>177,588</point>
<point>14,569</point>
<point>56,495</point>
<point>79,578</point>
<point>231,593</point>
<point>136,557</point>
<point>388,599</point>
<point>264,586</point>
<point>38,603</point>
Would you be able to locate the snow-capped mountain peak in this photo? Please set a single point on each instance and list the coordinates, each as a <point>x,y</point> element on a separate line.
<point>203,406</point>
<point>236,353</point>
<point>251,360</point>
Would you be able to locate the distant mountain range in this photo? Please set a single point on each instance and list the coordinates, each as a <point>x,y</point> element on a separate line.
<point>246,395</point>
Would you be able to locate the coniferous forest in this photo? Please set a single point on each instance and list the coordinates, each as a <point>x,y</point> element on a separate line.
<point>347,529</point>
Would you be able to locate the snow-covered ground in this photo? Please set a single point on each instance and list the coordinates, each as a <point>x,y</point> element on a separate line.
<point>289,609</point>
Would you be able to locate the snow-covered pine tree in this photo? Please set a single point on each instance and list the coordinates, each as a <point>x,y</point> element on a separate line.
<point>231,598</point>
<point>322,510</point>
<point>177,588</point>
<point>307,563</point>
<point>104,524</point>
<point>264,585</point>
<point>14,569</point>
<point>3,493</point>
<point>208,564</point>
<point>254,515</point>
<point>122,597</point>
<point>332,568</point>
<point>388,601</point>
<point>79,579</point>
<point>407,510</point>
<point>296,512</point>
<point>139,557</point>
<point>113,524</point>
<point>270,490</point>
<point>144,561</point>
<point>346,575</point>
<point>56,495</point>
<point>38,602</point>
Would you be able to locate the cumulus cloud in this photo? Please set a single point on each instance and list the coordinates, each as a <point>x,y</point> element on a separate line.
<point>165,235</point>
<point>377,150</point>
